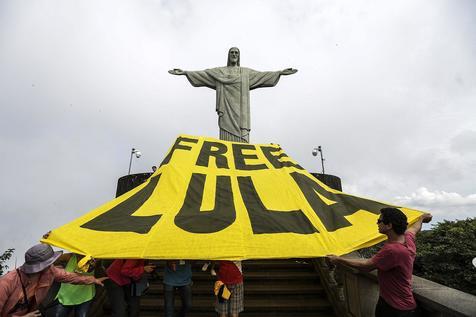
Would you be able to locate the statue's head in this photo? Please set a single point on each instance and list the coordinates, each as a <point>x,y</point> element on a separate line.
<point>233,57</point>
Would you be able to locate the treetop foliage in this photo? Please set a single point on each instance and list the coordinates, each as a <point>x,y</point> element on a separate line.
<point>3,258</point>
<point>445,253</point>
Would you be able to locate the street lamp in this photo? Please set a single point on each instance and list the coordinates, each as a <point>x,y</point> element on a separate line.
<point>138,154</point>
<point>314,152</point>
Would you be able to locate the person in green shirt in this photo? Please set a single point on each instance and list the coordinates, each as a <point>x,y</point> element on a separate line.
<point>74,298</point>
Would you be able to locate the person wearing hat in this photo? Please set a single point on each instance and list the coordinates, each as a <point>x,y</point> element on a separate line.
<point>22,291</point>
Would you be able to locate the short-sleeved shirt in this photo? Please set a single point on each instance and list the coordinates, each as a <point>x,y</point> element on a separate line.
<point>181,276</point>
<point>394,263</point>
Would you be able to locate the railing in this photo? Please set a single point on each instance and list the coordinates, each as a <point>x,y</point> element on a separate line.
<point>354,293</point>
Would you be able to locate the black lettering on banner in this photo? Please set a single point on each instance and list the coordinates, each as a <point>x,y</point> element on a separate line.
<point>332,216</point>
<point>206,151</point>
<point>264,220</point>
<point>191,219</point>
<point>120,219</point>
<point>275,159</point>
<point>239,157</point>
<point>178,146</point>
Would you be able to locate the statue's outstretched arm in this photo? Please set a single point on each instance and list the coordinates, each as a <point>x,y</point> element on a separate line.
<point>200,78</point>
<point>176,71</point>
<point>289,71</point>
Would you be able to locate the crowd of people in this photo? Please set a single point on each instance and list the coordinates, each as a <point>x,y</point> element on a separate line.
<point>27,290</point>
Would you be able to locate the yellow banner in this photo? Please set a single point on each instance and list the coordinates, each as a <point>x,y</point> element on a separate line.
<point>213,199</point>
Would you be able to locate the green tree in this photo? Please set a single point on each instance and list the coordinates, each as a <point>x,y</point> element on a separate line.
<point>3,258</point>
<point>444,254</point>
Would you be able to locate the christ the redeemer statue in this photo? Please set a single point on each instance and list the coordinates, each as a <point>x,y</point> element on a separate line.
<point>233,84</point>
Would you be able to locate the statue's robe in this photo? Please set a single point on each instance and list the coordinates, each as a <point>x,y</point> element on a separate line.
<point>233,85</point>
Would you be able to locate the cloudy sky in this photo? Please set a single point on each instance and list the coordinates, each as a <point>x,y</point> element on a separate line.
<point>387,88</point>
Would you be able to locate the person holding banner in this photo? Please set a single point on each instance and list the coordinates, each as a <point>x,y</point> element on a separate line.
<point>75,299</point>
<point>177,277</point>
<point>24,290</point>
<point>394,263</point>
<point>231,274</point>
<point>124,274</point>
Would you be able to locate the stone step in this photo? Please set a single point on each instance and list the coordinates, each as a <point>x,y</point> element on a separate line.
<point>278,264</point>
<point>246,314</point>
<point>278,288</point>
<point>283,287</point>
<point>281,274</point>
<point>249,265</point>
<point>252,304</point>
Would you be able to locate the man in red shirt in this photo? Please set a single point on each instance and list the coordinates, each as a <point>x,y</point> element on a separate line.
<point>394,263</point>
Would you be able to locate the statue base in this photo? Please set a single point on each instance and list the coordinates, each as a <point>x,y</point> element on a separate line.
<point>332,181</point>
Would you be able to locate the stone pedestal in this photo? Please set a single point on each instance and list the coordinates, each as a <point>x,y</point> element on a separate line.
<point>128,182</point>
<point>332,181</point>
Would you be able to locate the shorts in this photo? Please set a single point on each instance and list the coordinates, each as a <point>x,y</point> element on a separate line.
<point>234,304</point>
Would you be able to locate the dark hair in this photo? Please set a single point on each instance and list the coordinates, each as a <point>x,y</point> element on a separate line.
<point>396,217</point>
<point>228,63</point>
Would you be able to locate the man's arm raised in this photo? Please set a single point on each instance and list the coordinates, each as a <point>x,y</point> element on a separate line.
<point>416,227</point>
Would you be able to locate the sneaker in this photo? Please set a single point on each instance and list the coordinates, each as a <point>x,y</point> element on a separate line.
<point>213,273</point>
<point>205,266</point>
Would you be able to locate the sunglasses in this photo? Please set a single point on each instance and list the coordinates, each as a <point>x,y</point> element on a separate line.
<point>379,221</point>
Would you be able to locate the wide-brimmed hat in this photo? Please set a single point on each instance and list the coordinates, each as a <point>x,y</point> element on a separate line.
<point>39,257</point>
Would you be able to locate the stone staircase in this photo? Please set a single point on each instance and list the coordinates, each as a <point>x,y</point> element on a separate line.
<point>272,288</point>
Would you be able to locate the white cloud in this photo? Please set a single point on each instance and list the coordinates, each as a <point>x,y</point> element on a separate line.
<point>440,202</point>
<point>424,197</point>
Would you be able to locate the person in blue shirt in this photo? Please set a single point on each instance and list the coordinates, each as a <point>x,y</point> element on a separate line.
<point>178,278</point>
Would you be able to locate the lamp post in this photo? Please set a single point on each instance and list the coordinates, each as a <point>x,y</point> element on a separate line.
<point>314,153</point>
<point>138,154</point>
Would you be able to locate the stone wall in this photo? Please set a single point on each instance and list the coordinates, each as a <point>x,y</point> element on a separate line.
<point>354,293</point>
